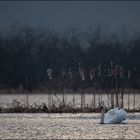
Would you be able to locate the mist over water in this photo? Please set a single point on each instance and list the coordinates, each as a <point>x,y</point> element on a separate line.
<point>6,100</point>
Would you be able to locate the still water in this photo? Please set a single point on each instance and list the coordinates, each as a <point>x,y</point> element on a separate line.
<point>66,126</point>
<point>6,100</point>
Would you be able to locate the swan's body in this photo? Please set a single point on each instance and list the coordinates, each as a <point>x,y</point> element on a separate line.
<point>114,116</point>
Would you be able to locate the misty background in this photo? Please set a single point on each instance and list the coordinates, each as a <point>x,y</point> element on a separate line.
<point>62,38</point>
<point>111,15</point>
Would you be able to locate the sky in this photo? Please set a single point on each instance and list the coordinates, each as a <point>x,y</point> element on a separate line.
<point>112,16</point>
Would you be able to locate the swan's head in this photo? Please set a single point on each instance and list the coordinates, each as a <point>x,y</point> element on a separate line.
<point>102,106</point>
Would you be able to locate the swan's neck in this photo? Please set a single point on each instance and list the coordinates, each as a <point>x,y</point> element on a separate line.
<point>102,116</point>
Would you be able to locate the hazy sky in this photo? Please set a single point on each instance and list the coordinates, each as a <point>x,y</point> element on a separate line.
<point>113,16</point>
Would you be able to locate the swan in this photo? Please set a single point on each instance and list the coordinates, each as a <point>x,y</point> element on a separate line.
<point>113,116</point>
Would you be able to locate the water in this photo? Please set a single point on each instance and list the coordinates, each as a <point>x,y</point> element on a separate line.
<point>66,126</point>
<point>7,99</point>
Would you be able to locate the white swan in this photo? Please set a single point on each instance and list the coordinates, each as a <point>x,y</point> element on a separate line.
<point>113,116</point>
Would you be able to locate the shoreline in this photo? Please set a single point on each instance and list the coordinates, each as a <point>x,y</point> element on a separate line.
<point>60,109</point>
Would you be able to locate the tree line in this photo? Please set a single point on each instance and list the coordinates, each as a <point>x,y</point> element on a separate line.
<point>36,57</point>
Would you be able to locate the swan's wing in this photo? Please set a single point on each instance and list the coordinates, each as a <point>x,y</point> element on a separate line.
<point>114,116</point>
